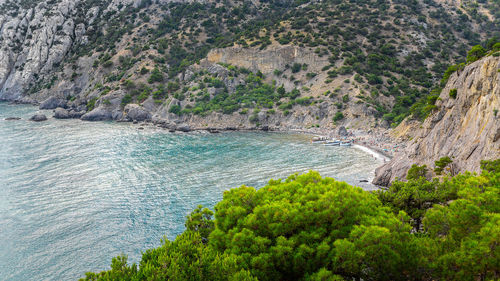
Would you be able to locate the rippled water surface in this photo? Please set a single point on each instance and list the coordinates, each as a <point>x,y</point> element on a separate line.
<point>74,194</point>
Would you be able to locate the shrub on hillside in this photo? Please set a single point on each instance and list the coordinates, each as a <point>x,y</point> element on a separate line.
<point>453,93</point>
<point>338,116</point>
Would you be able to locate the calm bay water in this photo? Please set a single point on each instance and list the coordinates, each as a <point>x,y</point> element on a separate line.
<point>75,194</point>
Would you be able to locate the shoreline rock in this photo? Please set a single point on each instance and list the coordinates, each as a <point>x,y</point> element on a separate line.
<point>61,113</point>
<point>75,114</point>
<point>98,114</point>
<point>53,103</point>
<point>38,117</point>
<point>135,112</point>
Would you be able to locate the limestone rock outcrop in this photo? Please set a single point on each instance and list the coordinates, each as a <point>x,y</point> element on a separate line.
<point>465,128</point>
<point>36,37</point>
<point>275,57</point>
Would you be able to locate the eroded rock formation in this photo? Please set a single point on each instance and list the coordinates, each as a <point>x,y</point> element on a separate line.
<point>465,128</point>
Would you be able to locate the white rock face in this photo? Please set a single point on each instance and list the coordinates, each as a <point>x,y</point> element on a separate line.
<point>32,43</point>
<point>35,39</point>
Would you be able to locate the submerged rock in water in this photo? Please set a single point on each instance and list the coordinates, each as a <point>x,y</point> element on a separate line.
<point>38,117</point>
<point>12,118</point>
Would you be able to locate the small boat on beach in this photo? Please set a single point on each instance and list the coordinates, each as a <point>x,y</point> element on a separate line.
<point>346,143</point>
<point>332,143</point>
<point>319,139</point>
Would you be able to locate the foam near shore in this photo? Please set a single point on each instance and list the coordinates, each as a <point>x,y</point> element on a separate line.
<point>373,152</point>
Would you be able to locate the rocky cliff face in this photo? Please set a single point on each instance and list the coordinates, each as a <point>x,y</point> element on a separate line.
<point>465,128</point>
<point>36,36</point>
<point>207,63</point>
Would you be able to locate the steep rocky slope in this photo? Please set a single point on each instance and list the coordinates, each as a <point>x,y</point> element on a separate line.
<point>357,64</point>
<point>465,128</point>
<point>36,36</point>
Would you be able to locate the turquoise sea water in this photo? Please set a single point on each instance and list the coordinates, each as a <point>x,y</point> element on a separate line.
<point>75,194</point>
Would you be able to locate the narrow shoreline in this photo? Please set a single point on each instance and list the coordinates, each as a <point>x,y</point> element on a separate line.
<point>375,151</point>
<point>360,138</point>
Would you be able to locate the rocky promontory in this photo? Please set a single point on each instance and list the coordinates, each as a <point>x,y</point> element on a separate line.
<point>465,126</point>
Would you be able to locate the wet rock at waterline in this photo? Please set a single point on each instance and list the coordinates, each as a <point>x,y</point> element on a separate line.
<point>53,103</point>
<point>135,112</point>
<point>76,114</point>
<point>98,114</point>
<point>184,129</point>
<point>61,113</point>
<point>38,117</point>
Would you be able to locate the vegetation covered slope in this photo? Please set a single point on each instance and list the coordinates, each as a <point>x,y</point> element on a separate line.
<point>313,228</point>
<point>379,57</point>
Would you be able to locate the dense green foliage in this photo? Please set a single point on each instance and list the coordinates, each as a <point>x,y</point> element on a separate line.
<point>254,93</point>
<point>338,116</point>
<point>453,93</point>
<point>443,162</point>
<point>416,172</point>
<point>313,228</point>
<point>475,53</point>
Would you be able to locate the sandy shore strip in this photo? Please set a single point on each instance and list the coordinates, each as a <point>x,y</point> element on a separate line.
<point>379,144</point>
<point>374,152</point>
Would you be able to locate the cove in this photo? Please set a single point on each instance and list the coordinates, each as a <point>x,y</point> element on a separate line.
<point>74,194</point>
